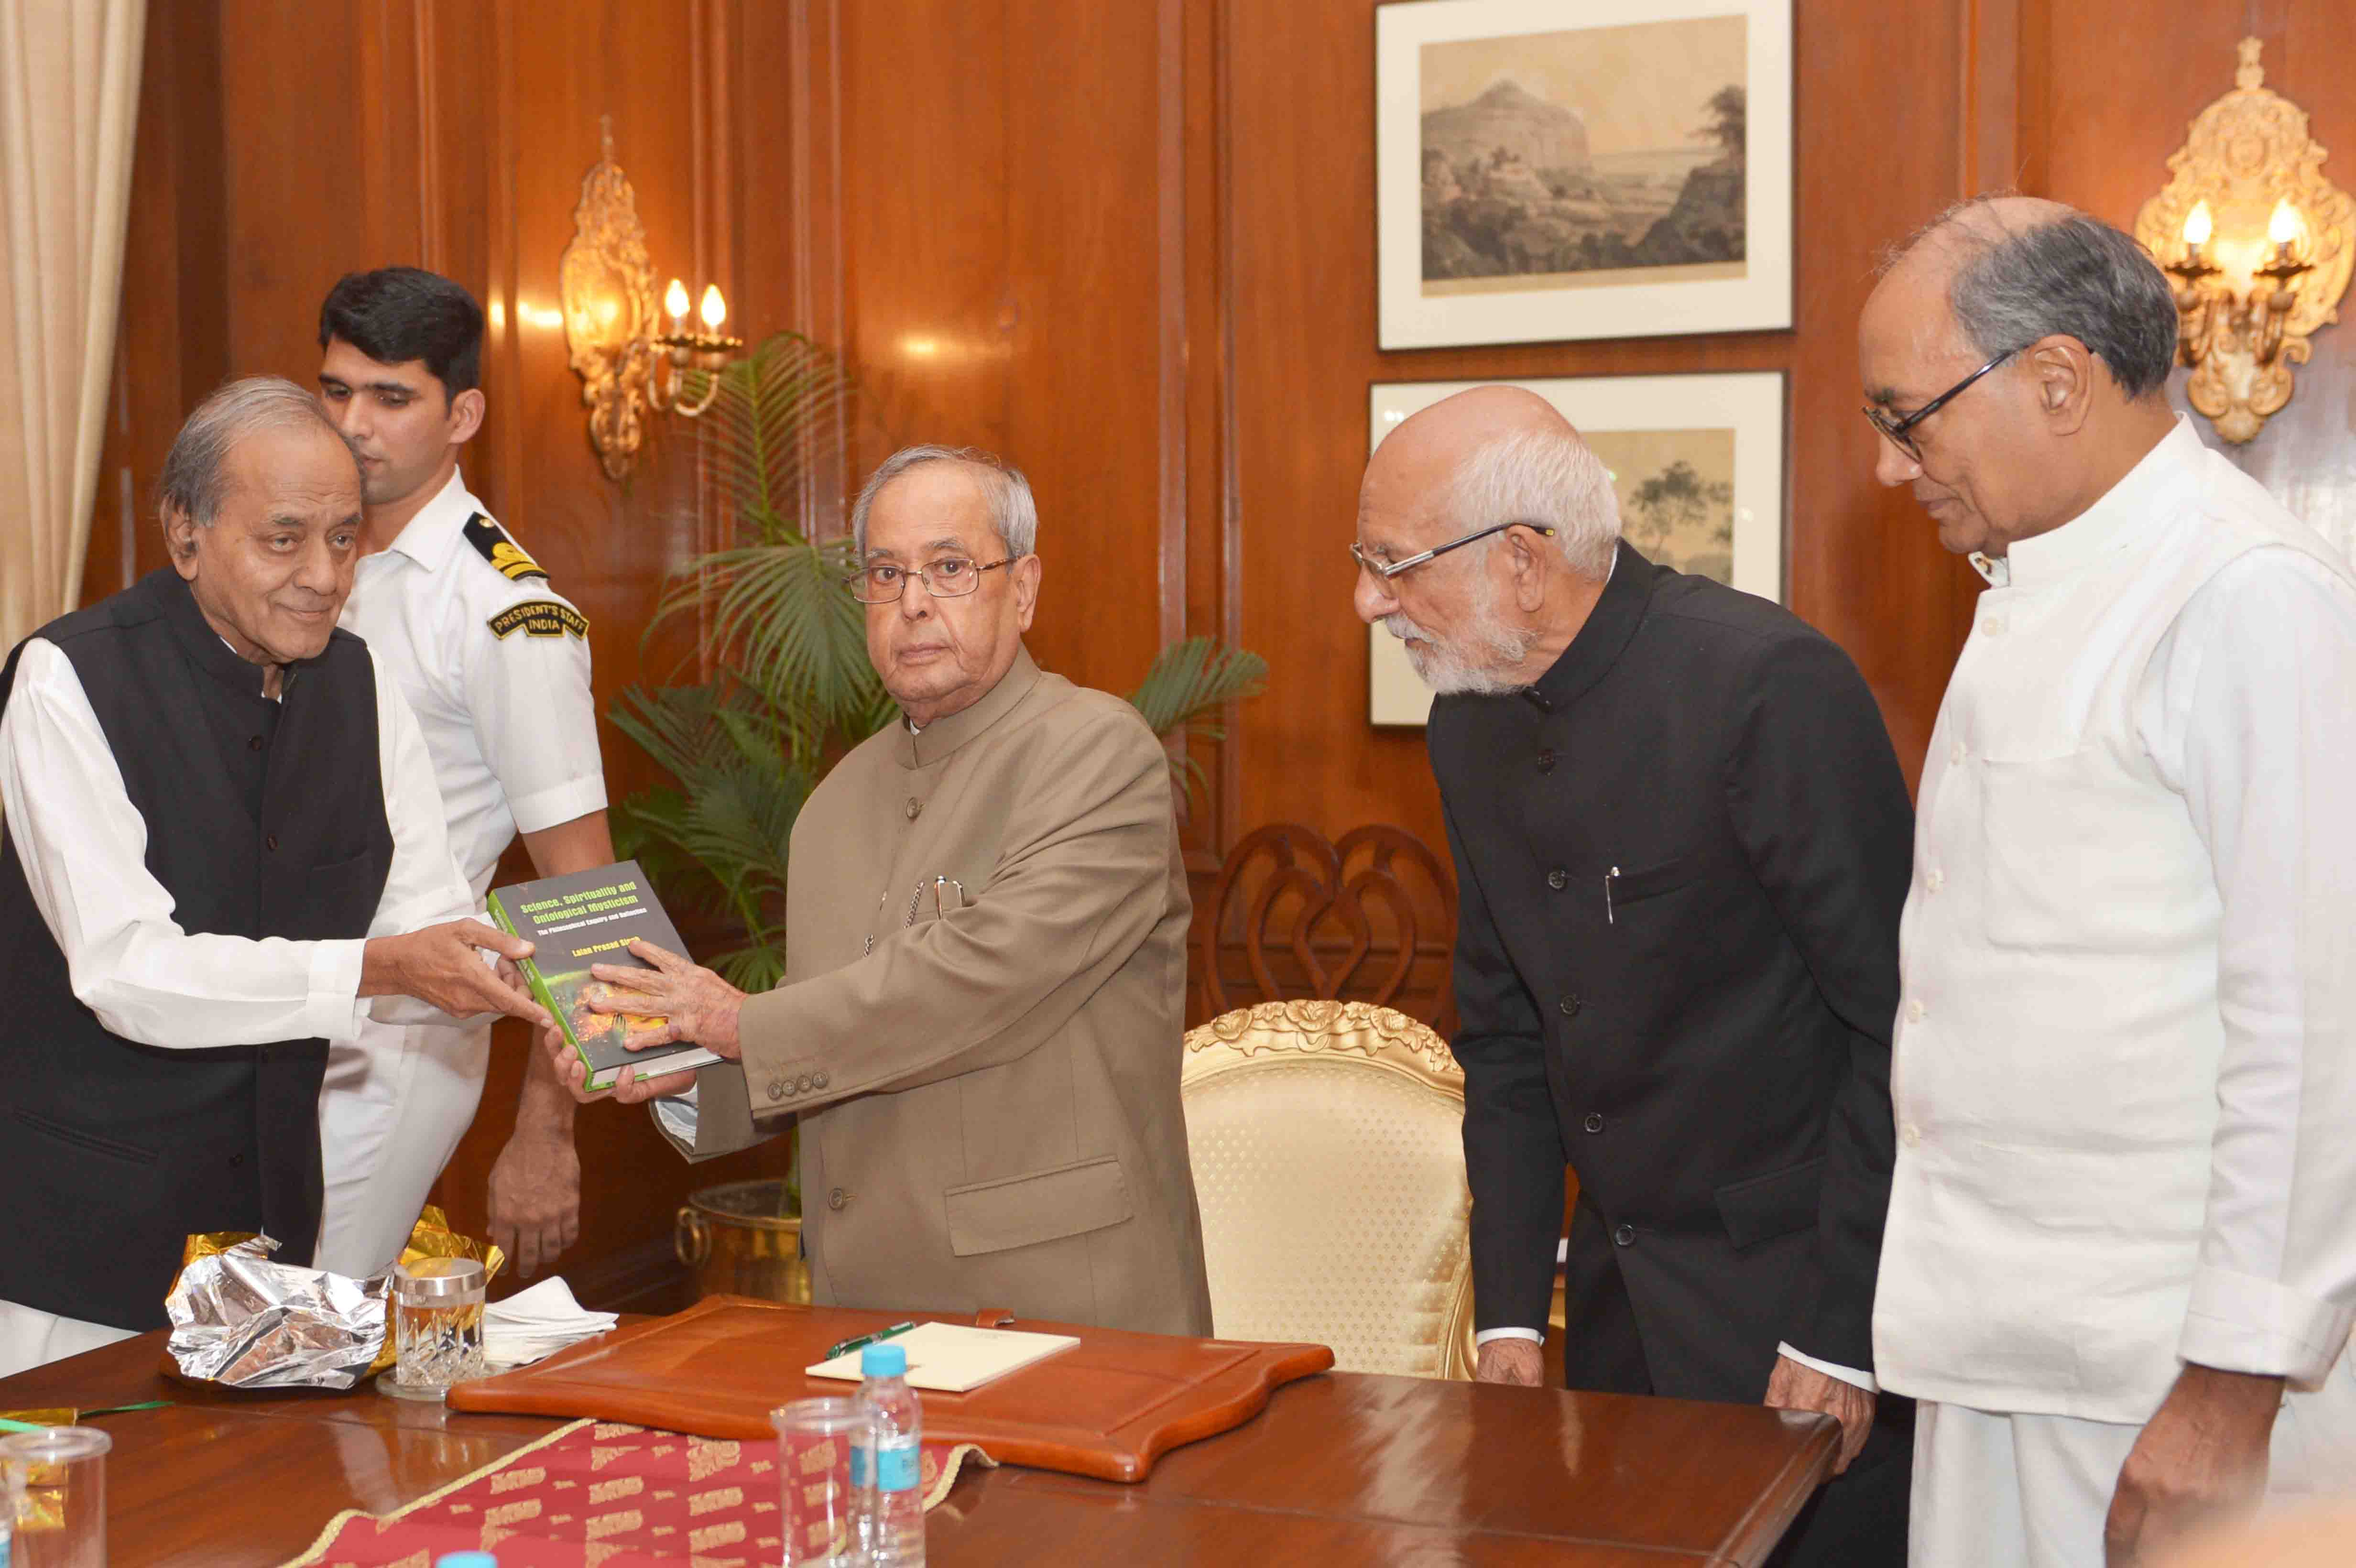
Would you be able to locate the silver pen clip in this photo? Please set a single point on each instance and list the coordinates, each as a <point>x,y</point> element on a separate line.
<point>1608,877</point>
<point>941,886</point>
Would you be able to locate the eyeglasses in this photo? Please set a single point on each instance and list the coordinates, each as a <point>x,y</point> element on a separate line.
<point>951,577</point>
<point>1896,429</point>
<point>1387,570</point>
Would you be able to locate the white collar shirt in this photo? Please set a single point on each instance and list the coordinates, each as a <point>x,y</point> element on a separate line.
<point>496,665</point>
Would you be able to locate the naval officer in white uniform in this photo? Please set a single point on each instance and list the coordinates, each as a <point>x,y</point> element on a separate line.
<point>496,665</point>
<point>2120,1264</point>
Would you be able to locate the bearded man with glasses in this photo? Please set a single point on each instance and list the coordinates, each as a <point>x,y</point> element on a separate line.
<point>979,1026</point>
<point>2121,1232</point>
<point>1680,838</point>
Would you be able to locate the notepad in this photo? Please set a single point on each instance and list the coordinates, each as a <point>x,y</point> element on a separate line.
<point>952,1358</point>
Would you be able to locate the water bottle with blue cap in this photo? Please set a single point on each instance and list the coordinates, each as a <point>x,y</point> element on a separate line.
<point>889,1472</point>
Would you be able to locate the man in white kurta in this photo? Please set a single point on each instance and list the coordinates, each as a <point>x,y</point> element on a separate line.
<point>494,663</point>
<point>2120,1265</point>
<point>213,672</point>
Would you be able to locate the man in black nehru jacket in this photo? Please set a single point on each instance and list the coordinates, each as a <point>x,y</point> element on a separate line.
<point>1681,843</point>
<point>221,843</point>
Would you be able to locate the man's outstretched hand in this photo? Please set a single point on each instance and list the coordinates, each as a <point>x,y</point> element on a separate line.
<point>442,966</point>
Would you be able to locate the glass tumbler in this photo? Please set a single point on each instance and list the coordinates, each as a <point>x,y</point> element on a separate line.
<point>820,1511</point>
<point>62,1503</point>
<point>437,1327</point>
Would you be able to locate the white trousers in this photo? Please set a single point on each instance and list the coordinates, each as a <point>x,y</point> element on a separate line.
<point>394,1105</point>
<point>2034,1490</point>
<point>29,1339</point>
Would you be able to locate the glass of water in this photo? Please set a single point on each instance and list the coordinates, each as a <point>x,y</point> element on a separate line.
<point>437,1327</point>
<point>58,1475</point>
<point>821,1506</point>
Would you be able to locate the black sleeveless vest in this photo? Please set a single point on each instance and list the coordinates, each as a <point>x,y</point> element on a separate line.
<point>265,819</point>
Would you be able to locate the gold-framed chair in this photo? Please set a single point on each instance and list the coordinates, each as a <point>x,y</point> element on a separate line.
<point>1329,1165</point>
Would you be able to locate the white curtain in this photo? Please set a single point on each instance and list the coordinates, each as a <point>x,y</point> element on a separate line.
<point>69,113</point>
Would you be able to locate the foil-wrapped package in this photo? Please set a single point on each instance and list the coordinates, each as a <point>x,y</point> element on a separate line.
<point>238,1318</point>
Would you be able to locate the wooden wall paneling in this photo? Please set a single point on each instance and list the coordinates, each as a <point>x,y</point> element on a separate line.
<point>1082,325</point>
<point>1217,520</point>
<point>1878,111</point>
<point>788,229</point>
<point>171,345</point>
<point>320,181</point>
<point>922,142</point>
<point>1301,225</point>
<point>1170,310</point>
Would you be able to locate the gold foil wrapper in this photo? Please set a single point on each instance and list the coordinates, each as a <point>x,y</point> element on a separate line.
<point>240,1319</point>
<point>432,1238</point>
<point>50,1415</point>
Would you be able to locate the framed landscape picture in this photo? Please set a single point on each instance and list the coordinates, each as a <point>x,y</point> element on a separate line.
<point>1616,168</point>
<point>1697,464</point>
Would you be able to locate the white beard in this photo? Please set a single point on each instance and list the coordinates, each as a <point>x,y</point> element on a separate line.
<point>1480,661</point>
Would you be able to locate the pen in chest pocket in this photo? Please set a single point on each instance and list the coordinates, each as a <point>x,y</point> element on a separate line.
<point>943,889</point>
<point>1608,877</point>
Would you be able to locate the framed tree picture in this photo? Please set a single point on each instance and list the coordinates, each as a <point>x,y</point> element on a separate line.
<point>1697,466</point>
<point>1617,168</point>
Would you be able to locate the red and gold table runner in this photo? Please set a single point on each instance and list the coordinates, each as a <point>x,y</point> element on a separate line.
<point>599,1495</point>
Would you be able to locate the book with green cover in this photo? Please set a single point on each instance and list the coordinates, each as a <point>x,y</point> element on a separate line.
<point>591,917</point>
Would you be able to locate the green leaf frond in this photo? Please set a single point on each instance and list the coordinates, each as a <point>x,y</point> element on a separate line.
<point>772,410</point>
<point>755,969</point>
<point>1185,693</point>
<point>1192,680</point>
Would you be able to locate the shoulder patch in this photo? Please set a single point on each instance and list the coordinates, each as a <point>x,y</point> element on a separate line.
<point>491,542</point>
<point>540,618</point>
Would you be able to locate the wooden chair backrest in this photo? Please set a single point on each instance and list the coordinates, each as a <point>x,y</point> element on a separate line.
<point>1370,917</point>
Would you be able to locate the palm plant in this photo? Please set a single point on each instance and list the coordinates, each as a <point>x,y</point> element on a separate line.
<point>791,683</point>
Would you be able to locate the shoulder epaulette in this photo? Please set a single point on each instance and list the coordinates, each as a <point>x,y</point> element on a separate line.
<point>506,556</point>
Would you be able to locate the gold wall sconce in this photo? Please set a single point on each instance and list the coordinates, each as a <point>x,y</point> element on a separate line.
<point>626,365</point>
<point>2260,245</point>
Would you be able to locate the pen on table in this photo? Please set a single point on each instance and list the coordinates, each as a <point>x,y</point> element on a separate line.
<point>863,1341</point>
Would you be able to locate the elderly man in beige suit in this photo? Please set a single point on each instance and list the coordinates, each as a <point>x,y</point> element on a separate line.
<point>978,1028</point>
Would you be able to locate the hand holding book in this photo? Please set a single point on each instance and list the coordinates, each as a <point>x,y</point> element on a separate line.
<point>687,1001</point>
<point>594,969</point>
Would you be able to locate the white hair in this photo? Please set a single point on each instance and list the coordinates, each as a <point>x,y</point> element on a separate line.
<point>195,477</point>
<point>1540,476</point>
<point>1014,514</point>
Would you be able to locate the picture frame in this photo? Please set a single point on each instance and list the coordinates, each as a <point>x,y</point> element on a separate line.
<point>1543,179</point>
<point>1721,517</point>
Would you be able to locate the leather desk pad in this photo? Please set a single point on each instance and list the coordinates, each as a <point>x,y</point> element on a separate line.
<point>1108,1407</point>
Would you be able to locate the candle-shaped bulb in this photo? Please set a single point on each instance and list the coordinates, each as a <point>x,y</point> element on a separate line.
<point>675,302</point>
<point>715,309</point>
<point>2282,228</point>
<point>2198,227</point>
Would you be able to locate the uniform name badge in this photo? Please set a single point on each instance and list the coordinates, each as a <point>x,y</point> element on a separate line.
<point>540,618</point>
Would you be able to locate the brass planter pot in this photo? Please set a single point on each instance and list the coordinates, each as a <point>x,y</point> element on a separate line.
<point>744,1239</point>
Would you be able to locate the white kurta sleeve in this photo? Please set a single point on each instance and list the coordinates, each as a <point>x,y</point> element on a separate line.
<point>2247,710</point>
<point>424,886</point>
<point>84,850</point>
<point>535,718</point>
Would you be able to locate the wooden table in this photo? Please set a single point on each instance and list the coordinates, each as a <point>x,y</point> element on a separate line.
<point>1342,1468</point>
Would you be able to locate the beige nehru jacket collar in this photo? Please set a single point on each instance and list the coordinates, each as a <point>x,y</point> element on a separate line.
<point>942,736</point>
